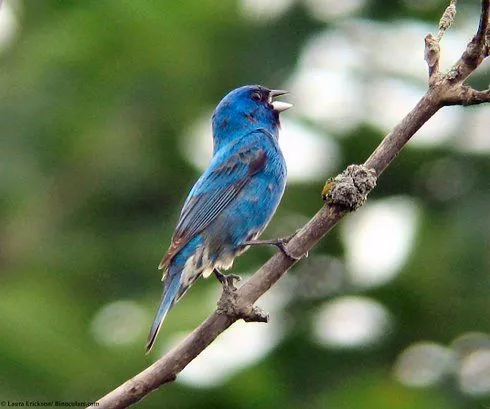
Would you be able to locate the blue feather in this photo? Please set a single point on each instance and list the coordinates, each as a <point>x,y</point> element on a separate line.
<point>171,289</point>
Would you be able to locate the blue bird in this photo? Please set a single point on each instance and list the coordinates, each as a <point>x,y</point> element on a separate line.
<point>233,200</point>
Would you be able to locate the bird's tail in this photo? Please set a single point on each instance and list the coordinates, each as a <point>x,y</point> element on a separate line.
<point>169,297</point>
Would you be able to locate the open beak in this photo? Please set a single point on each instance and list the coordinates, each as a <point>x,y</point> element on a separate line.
<point>278,106</point>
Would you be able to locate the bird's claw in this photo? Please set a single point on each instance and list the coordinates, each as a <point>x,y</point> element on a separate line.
<point>227,280</point>
<point>280,244</point>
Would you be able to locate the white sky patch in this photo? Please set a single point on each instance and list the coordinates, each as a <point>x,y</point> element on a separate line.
<point>241,346</point>
<point>467,343</point>
<point>120,322</point>
<point>341,80</point>
<point>400,46</point>
<point>378,240</point>
<point>330,50</point>
<point>474,375</point>
<point>330,98</point>
<point>264,11</point>
<point>309,155</point>
<point>424,364</point>
<point>326,10</point>
<point>351,322</point>
<point>440,128</point>
<point>473,352</point>
<point>474,134</point>
<point>197,143</point>
<point>391,99</point>
<point>9,25</point>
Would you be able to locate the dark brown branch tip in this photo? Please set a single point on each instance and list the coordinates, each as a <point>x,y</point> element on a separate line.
<point>349,190</point>
<point>256,314</point>
<point>432,54</point>
<point>432,49</point>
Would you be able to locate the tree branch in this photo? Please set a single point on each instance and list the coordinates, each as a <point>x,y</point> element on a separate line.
<point>444,89</point>
<point>476,50</point>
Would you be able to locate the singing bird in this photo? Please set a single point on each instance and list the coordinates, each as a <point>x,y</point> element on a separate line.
<point>233,200</point>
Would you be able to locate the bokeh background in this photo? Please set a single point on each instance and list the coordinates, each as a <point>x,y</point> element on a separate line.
<point>104,125</point>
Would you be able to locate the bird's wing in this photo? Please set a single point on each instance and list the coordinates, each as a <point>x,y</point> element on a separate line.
<point>226,176</point>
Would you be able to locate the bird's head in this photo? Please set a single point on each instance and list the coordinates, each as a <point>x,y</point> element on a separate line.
<point>245,109</point>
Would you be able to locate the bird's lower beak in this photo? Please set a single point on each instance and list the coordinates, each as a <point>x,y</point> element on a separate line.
<point>279,106</point>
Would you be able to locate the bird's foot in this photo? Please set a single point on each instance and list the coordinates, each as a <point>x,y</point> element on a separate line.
<point>279,243</point>
<point>229,304</point>
<point>227,280</point>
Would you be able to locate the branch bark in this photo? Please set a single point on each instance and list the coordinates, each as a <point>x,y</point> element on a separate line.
<point>444,89</point>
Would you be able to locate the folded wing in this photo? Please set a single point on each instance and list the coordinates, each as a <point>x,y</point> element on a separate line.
<point>220,184</point>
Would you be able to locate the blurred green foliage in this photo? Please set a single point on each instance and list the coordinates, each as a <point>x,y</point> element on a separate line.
<point>95,97</point>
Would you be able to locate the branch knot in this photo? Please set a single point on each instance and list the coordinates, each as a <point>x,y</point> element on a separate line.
<point>350,188</point>
<point>228,305</point>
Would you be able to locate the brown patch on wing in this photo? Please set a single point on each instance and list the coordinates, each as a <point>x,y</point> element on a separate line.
<point>179,240</point>
<point>258,163</point>
<point>175,247</point>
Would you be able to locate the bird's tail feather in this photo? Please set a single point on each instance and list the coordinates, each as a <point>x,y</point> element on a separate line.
<point>171,289</point>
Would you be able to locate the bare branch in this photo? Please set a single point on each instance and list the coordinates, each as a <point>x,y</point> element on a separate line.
<point>444,89</point>
<point>476,50</point>
<point>471,96</point>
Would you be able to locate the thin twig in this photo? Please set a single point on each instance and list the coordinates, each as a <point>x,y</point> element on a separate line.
<point>444,89</point>
<point>447,19</point>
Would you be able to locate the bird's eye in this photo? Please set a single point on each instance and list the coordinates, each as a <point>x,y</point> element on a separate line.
<point>256,96</point>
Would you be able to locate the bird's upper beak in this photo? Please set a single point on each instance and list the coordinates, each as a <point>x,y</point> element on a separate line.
<point>278,106</point>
